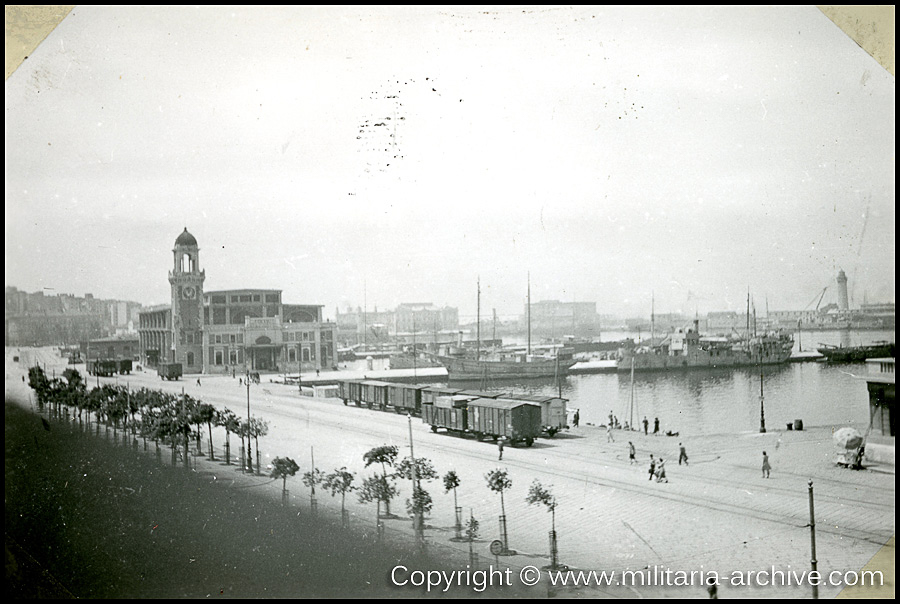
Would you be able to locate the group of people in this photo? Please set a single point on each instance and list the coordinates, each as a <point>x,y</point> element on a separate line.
<point>658,466</point>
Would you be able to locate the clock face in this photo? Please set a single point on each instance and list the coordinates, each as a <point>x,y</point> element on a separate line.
<point>189,292</point>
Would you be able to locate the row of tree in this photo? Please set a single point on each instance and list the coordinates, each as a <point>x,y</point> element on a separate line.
<point>170,419</point>
<point>381,489</point>
<point>177,420</point>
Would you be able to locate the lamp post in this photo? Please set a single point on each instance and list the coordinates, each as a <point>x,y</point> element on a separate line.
<point>762,408</point>
<point>812,536</point>
<point>249,452</point>
<point>417,517</point>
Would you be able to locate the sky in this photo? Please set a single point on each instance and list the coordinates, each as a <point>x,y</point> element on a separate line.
<point>673,157</point>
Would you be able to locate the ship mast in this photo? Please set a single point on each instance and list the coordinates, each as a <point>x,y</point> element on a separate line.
<point>478,319</point>
<point>652,316</point>
<point>529,314</point>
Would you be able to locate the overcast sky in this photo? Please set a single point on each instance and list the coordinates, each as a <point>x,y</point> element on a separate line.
<point>397,154</point>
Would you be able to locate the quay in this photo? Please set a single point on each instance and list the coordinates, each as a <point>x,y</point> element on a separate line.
<point>716,514</point>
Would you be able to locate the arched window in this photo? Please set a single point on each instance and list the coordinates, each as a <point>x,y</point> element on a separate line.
<point>263,340</point>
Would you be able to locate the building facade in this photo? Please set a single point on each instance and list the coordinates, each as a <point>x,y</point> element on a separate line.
<point>231,331</point>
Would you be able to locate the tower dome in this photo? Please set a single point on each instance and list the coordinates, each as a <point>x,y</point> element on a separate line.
<point>186,239</point>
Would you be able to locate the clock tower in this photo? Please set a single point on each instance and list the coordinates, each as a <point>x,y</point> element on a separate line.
<point>186,280</point>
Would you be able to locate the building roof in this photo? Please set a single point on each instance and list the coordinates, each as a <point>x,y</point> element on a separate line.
<point>186,239</point>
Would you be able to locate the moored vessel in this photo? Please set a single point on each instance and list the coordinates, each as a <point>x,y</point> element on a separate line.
<point>687,349</point>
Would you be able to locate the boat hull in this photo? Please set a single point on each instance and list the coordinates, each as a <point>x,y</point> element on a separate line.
<point>470,369</point>
<point>856,354</point>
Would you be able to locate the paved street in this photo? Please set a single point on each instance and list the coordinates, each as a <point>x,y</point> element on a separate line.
<point>717,514</point>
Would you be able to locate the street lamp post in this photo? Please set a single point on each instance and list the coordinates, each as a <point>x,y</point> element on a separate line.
<point>762,407</point>
<point>417,513</point>
<point>249,451</point>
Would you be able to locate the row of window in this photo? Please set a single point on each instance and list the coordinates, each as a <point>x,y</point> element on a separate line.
<point>222,299</point>
<point>229,338</point>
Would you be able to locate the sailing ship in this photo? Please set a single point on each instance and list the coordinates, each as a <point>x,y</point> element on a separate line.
<point>506,364</point>
<point>856,354</point>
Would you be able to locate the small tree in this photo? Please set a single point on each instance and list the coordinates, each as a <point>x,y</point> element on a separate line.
<point>424,469</point>
<point>538,495</point>
<point>386,455</point>
<point>420,504</point>
<point>206,414</point>
<point>451,482</point>
<point>377,488</point>
<point>282,467</point>
<point>258,427</point>
<point>340,481</point>
<point>499,481</point>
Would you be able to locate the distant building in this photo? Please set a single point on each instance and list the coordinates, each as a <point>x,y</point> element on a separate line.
<point>374,326</point>
<point>35,319</point>
<point>556,318</point>
<point>232,330</point>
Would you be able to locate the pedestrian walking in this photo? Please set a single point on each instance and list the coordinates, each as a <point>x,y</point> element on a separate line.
<point>609,435</point>
<point>198,381</point>
<point>500,447</point>
<point>652,467</point>
<point>240,381</point>
<point>682,455</point>
<point>656,425</point>
<point>610,418</point>
<point>646,423</point>
<point>661,471</point>
<point>232,374</point>
<point>766,467</point>
<point>576,418</point>
<point>631,457</point>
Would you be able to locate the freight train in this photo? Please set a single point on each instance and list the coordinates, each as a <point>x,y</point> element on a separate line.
<point>517,419</point>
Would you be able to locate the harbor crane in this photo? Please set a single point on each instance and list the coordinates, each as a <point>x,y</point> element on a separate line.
<point>819,303</point>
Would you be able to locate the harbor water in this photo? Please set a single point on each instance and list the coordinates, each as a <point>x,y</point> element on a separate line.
<point>716,401</point>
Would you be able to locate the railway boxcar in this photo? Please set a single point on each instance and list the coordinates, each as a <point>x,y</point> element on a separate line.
<point>553,411</point>
<point>101,367</point>
<point>169,371</point>
<point>350,391</point>
<point>429,393</point>
<point>374,393</point>
<point>448,412</point>
<point>405,398</point>
<point>516,421</point>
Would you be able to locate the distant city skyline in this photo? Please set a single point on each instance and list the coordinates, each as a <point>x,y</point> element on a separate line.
<point>375,156</point>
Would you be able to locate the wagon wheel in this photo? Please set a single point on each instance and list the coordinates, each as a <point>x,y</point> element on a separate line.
<point>345,402</point>
<point>551,432</point>
<point>529,441</point>
<point>434,428</point>
<point>479,436</point>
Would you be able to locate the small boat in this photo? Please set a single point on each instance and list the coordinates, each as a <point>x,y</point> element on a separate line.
<point>856,354</point>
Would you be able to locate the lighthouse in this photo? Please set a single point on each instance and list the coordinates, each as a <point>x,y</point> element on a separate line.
<point>843,300</point>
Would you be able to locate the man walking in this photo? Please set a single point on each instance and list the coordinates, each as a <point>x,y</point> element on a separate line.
<point>646,423</point>
<point>652,467</point>
<point>655,425</point>
<point>500,447</point>
<point>609,434</point>
<point>576,418</point>
<point>766,467</point>
<point>631,458</point>
<point>661,471</point>
<point>682,455</point>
